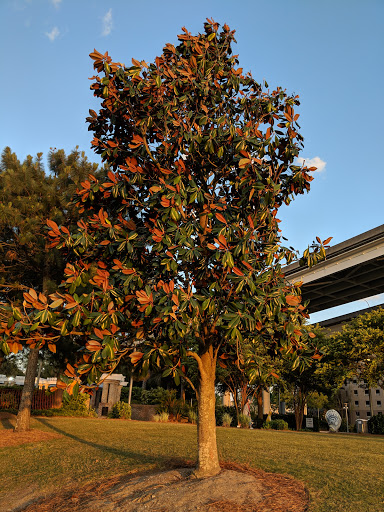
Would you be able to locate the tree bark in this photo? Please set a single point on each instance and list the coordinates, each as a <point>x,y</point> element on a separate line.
<point>299,406</point>
<point>260,415</point>
<point>23,419</point>
<point>208,459</point>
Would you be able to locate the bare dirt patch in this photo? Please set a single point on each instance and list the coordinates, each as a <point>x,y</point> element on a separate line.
<point>236,489</point>
<point>8,437</point>
<point>11,438</point>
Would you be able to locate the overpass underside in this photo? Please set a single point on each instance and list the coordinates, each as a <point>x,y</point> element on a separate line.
<point>353,270</point>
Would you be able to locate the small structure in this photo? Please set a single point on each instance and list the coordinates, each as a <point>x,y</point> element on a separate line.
<point>108,394</point>
<point>228,400</point>
<point>362,426</point>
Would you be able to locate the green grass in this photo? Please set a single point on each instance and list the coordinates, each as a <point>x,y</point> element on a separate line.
<point>342,472</point>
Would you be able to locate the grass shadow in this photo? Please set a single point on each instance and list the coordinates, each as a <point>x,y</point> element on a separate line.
<point>6,423</point>
<point>161,461</point>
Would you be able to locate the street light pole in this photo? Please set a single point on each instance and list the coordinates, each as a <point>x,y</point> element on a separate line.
<point>346,414</point>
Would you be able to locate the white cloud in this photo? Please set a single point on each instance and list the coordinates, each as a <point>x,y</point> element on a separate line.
<point>313,162</point>
<point>107,23</point>
<point>56,3</point>
<point>55,32</point>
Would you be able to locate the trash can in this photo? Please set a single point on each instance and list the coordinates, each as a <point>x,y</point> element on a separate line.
<point>362,426</point>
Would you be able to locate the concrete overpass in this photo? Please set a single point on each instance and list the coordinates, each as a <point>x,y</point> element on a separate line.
<point>353,270</point>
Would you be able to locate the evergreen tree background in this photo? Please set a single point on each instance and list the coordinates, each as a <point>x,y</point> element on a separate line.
<point>28,197</point>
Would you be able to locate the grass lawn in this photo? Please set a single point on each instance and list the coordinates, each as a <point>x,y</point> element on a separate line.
<point>342,472</point>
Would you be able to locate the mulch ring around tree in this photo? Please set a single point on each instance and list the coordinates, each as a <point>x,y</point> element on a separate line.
<point>8,437</point>
<point>238,488</point>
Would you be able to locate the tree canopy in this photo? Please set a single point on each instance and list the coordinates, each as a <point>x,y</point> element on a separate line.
<point>358,348</point>
<point>179,253</point>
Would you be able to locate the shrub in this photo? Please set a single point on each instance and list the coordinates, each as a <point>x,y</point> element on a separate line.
<point>244,421</point>
<point>288,418</point>
<point>224,409</point>
<point>162,417</point>
<point>75,406</point>
<point>43,412</point>
<point>226,420</point>
<point>276,425</point>
<point>156,396</point>
<point>144,396</point>
<point>376,424</point>
<point>135,397</point>
<point>192,416</point>
<point>343,427</point>
<point>11,410</point>
<point>167,401</point>
<point>120,410</point>
<point>170,404</point>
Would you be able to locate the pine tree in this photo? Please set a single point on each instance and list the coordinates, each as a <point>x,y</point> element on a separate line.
<point>28,197</point>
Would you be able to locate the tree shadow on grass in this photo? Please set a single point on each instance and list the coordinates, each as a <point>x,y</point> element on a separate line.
<point>161,461</point>
<point>7,420</point>
<point>7,424</point>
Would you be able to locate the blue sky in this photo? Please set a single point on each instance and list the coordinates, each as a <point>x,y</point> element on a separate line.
<point>328,52</point>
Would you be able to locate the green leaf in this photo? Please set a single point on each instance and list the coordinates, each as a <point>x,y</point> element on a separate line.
<point>76,319</point>
<point>5,348</point>
<point>64,330</point>
<point>205,304</point>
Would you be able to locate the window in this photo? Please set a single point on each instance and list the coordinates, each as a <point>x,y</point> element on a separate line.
<point>377,391</point>
<point>368,414</point>
<point>366,391</point>
<point>367,403</point>
<point>379,403</point>
<point>356,402</point>
<point>357,413</point>
<point>355,391</point>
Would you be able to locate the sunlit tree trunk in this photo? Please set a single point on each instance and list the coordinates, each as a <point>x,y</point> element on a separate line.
<point>208,460</point>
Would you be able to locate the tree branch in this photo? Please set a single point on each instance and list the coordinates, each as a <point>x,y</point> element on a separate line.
<point>191,384</point>
<point>199,361</point>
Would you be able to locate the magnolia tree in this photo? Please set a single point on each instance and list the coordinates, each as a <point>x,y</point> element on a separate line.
<point>179,254</point>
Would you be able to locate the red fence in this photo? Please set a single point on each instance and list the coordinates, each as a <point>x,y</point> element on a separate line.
<point>10,399</point>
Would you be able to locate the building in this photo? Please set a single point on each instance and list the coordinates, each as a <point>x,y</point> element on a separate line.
<point>363,402</point>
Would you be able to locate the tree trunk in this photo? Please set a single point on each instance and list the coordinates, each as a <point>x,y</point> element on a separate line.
<point>260,415</point>
<point>235,397</point>
<point>299,406</point>
<point>23,419</point>
<point>208,459</point>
